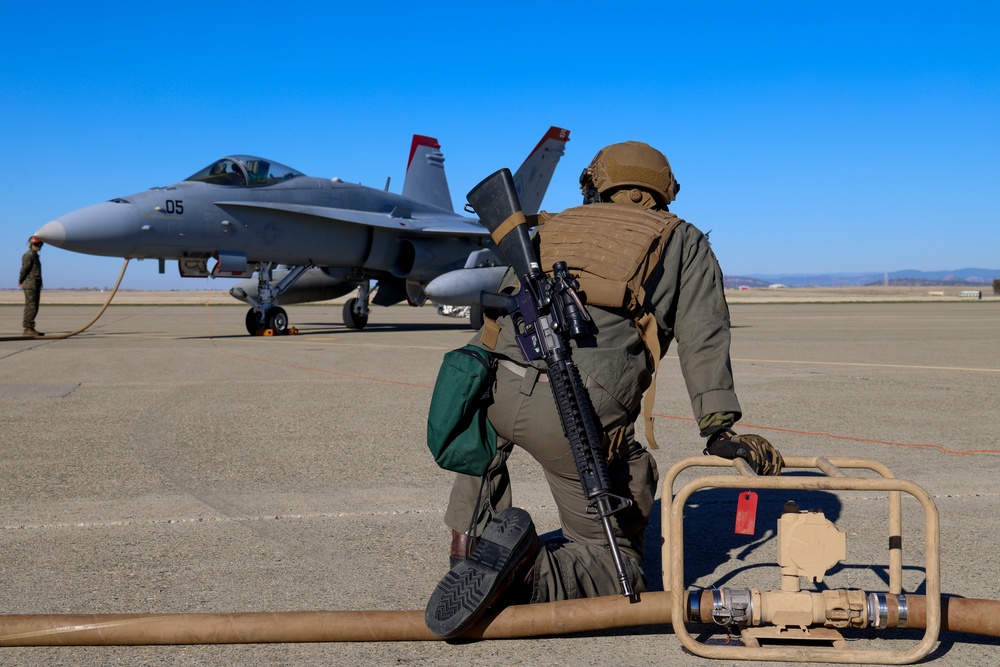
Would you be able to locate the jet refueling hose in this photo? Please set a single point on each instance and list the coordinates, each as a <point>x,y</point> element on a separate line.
<point>966,615</point>
<point>86,326</point>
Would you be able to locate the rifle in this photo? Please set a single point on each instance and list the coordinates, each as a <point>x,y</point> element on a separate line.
<point>548,314</point>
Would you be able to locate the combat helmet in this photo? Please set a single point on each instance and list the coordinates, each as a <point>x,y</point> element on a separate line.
<point>630,165</point>
<point>34,240</point>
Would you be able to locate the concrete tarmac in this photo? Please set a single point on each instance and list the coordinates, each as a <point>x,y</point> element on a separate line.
<point>164,461</point>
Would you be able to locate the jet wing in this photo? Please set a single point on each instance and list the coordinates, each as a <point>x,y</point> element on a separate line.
<point>401,219</point>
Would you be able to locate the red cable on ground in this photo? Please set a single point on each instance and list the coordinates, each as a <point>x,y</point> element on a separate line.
<point>754,426</point>
<point>847,437</point>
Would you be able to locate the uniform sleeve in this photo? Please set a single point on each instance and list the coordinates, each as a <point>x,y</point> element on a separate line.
<point>690,307</point>
<point>26,262</point>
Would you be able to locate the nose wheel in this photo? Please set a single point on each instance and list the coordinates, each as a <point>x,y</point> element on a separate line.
<point>274,319</point>
<point>277,320</point>
<point>255,322</point>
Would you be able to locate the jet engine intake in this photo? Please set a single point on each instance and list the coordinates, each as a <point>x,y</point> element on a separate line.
<point>413,259</point>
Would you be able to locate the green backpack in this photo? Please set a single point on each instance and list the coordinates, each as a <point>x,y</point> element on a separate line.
<point>459,435</point>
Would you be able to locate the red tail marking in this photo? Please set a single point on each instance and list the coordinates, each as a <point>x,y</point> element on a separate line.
<point>557,133</point>
<point>420,140</point>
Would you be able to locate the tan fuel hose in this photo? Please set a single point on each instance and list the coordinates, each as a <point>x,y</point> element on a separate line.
<point>981,617</point>
<point>91,322</point>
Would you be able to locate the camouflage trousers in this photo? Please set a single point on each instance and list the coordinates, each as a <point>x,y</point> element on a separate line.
<point>524,414</point>
<point>32,297</point>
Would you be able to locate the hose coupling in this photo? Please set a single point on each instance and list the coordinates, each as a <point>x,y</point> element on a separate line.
<point>732,606</point>
<point>887,611</point>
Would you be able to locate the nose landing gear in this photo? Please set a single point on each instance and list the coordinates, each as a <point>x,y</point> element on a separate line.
<point>273,320</point>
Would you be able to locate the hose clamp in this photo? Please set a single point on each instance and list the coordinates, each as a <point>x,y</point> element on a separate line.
<point>878,610</point>
<point>694,606</point>
<point>719,608</point>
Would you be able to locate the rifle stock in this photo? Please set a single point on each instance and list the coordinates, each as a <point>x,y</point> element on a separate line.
<point>495,201</point>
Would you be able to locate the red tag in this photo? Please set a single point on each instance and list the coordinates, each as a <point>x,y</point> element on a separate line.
<point>746,513</point>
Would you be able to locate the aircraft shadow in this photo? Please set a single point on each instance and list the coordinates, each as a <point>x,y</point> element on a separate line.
<point>326,329</point>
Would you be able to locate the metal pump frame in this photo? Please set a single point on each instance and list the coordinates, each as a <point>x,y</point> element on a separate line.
<point>672,509</point>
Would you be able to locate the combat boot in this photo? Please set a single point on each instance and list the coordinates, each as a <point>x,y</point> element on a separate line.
<point>31,333</point>
<point>498,567</point>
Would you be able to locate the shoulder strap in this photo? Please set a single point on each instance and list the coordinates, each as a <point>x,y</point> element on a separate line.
<point>647,328</point>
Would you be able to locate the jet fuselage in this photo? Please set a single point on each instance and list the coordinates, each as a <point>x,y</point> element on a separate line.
<point>252,215</point>
<point>301,220</point>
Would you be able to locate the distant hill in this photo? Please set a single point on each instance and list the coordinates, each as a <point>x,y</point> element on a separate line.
<point>734,282</point>
<point>958,278</point>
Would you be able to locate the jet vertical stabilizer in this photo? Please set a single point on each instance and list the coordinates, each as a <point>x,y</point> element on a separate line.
<point>425,180</point>
<point>533,176</point>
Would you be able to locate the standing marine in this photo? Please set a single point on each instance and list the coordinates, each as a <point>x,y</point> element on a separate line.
<point>30,281</point>
<point>649,278</point>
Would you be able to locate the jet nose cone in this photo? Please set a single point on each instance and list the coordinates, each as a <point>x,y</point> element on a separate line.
<point>53,232</point>
<point>109,228</point>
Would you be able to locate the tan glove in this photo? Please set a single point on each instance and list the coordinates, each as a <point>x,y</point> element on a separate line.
<point>756,450</point>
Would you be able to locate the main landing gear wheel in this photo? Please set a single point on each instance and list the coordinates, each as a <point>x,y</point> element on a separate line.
<point>351,319</point>
<point>476,319</point>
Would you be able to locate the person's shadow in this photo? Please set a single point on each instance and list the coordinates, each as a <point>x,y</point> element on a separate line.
<point>710,540</point>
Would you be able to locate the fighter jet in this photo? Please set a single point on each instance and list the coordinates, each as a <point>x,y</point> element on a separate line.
<point>247,215</point>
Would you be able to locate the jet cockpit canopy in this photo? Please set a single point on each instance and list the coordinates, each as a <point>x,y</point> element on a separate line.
<point>244,171</point>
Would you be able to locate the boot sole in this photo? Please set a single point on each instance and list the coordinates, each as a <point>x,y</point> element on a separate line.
<point>468,590</point>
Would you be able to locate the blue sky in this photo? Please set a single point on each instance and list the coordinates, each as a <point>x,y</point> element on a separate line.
<point>808,137</point>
